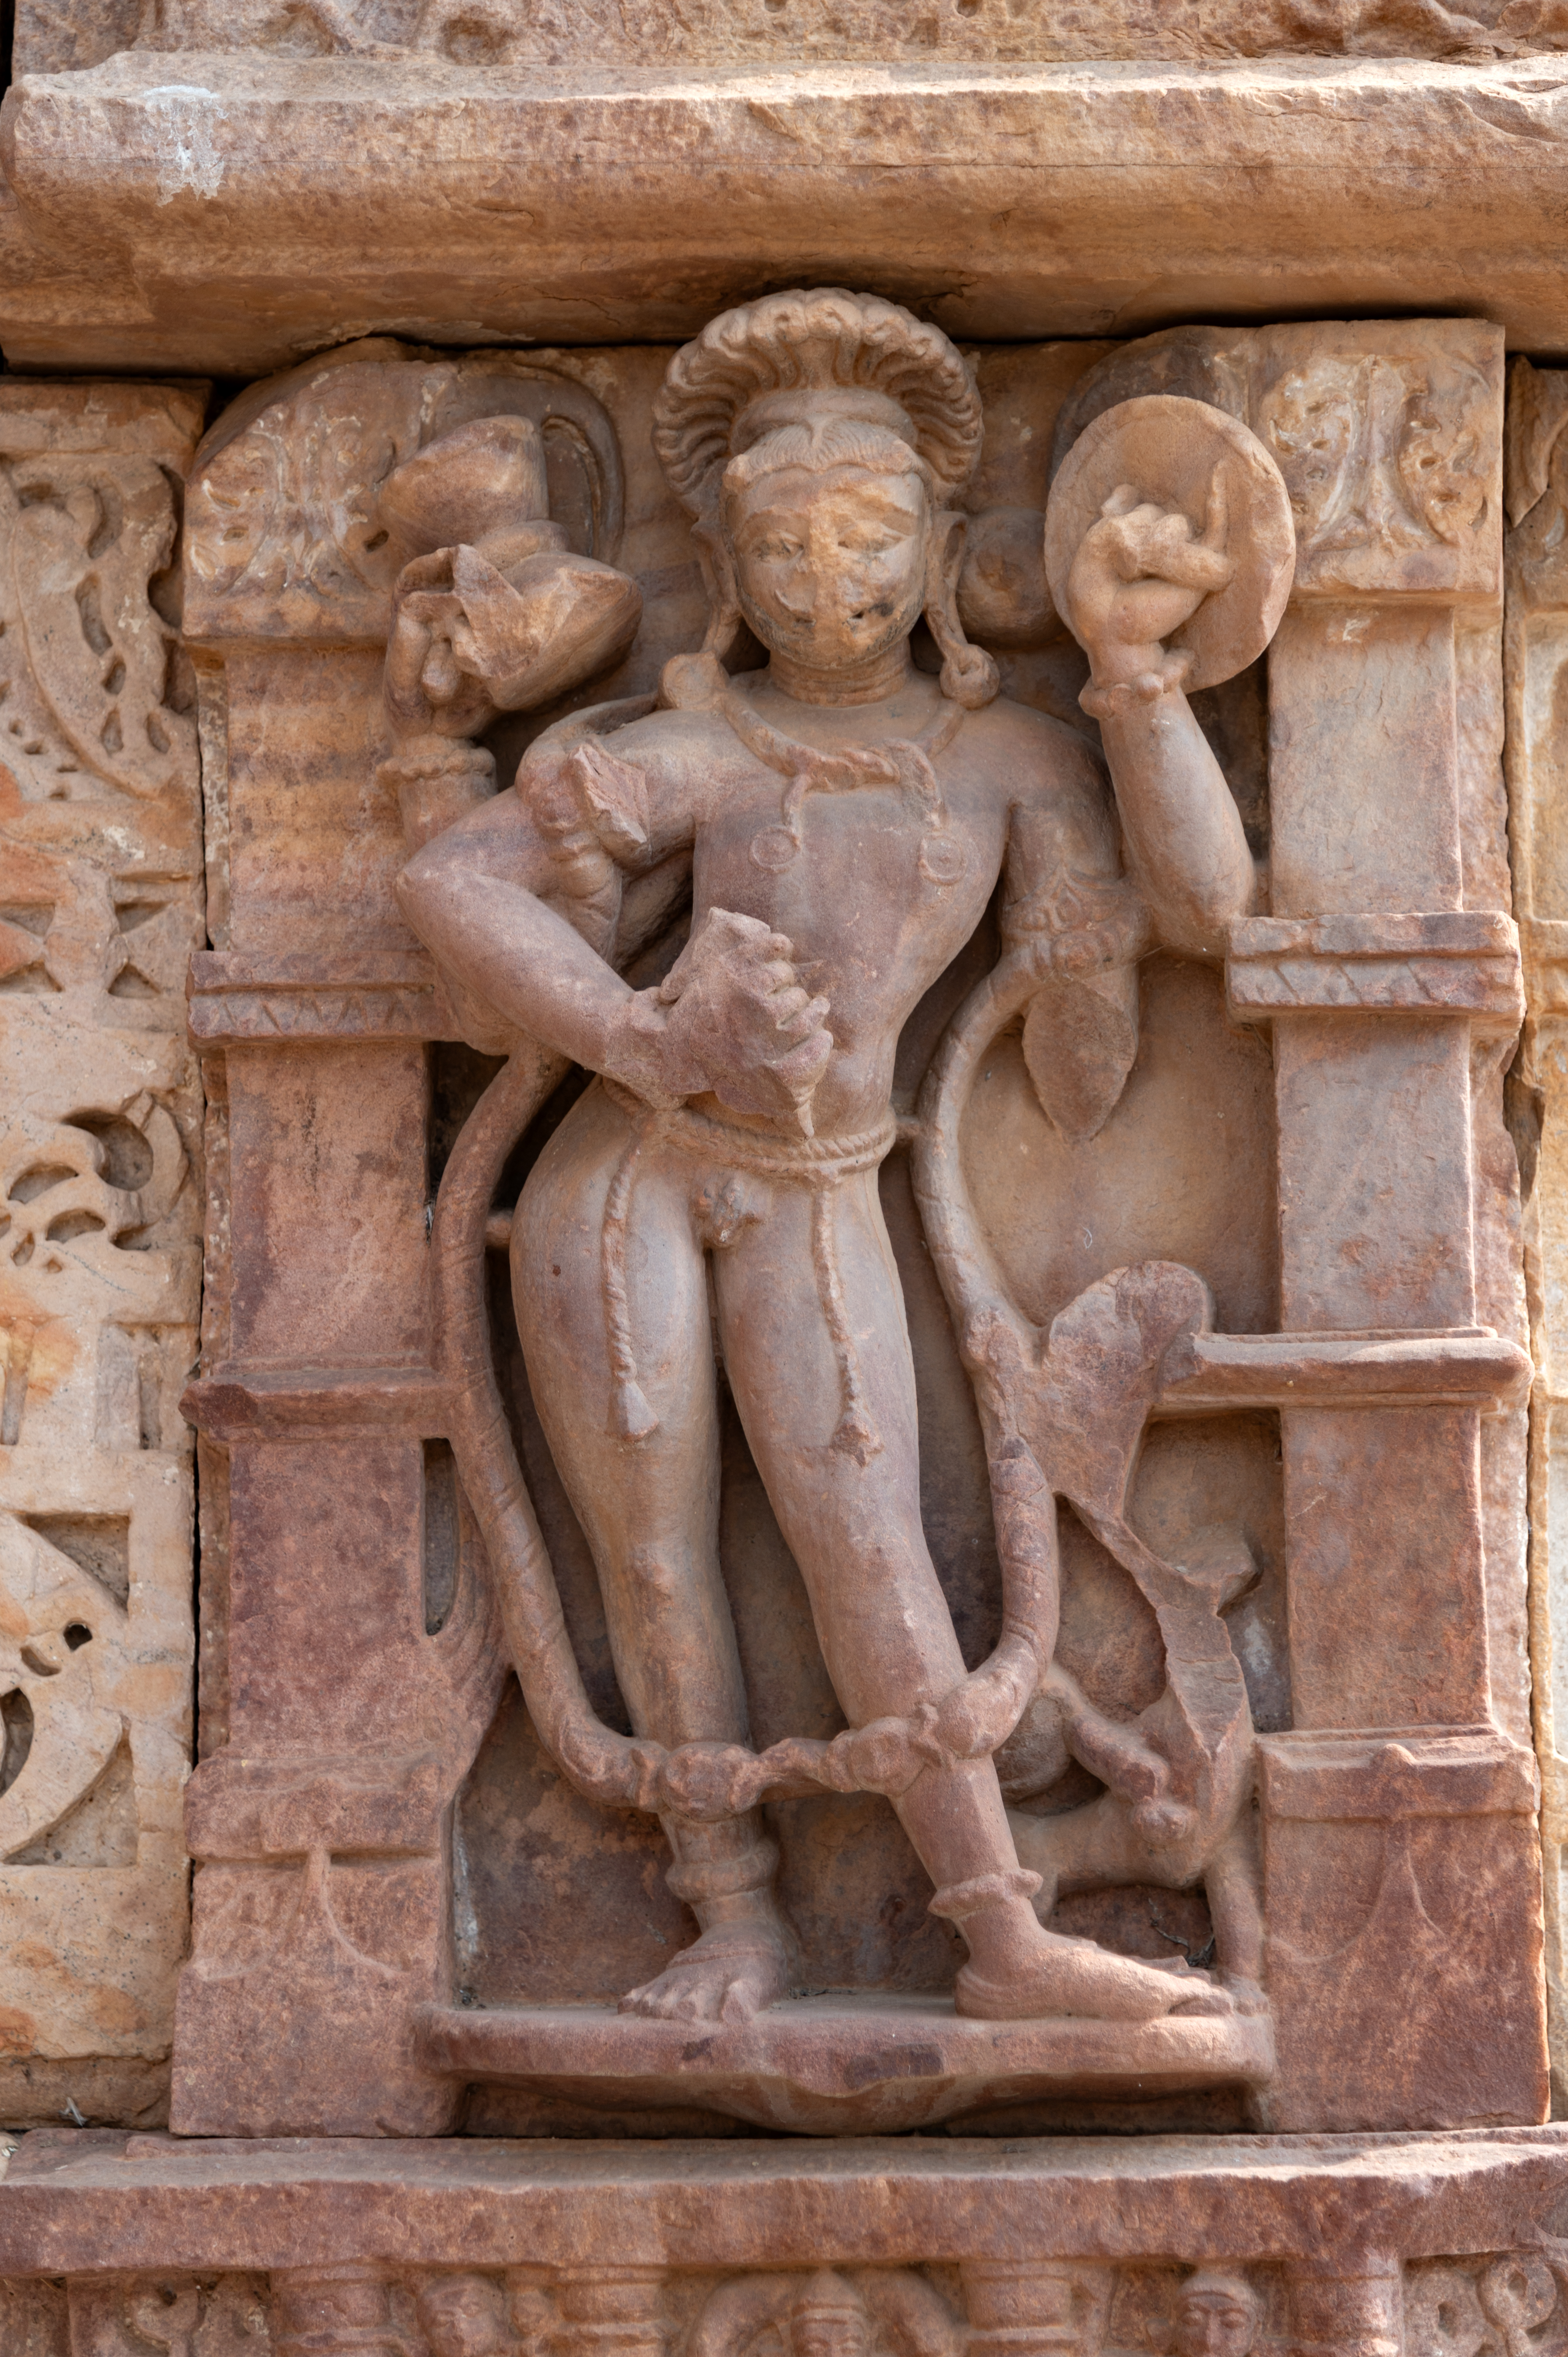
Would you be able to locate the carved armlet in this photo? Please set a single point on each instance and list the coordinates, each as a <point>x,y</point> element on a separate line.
<point>1127,695</point>
<point>435,789</point>
<point>1078,923</point>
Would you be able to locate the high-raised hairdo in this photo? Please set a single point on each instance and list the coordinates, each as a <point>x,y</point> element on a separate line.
<point>877,364</point>
<point>816,380</point>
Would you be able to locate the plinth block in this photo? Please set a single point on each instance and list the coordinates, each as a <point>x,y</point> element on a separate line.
<point>813,2064</point>
<point>105,2203</point>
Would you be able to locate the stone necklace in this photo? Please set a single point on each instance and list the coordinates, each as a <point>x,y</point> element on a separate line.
<point>902,760</point>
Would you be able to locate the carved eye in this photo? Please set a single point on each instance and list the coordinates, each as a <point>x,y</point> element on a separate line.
<point>869,544</point>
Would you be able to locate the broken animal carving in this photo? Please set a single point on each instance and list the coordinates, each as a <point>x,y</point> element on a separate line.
<point>495,614</point>
<point>849,817</point>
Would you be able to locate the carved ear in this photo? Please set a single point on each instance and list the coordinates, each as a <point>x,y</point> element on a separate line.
<point>725,619</point>
<point>738,2313</point>
<point>695,682</point>
<point>969,675</point>
<point>1080,1037</point>
<point>915,2321</point>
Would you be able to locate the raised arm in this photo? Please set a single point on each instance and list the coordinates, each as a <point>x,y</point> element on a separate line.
<point>1138,575</point>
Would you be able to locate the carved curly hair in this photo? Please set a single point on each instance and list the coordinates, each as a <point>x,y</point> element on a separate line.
<point>815,380</point>
<point>877,363</point>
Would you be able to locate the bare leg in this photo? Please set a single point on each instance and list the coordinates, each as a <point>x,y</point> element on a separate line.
<point>649,1508</point>
<point>850,1511</point>
<point>1236,1912</point>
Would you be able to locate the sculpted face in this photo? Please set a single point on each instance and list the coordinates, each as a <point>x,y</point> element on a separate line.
<point>831,567</point>
<point>463,2318</point>
<point>838,2335</point>
<point>1213,2323</point>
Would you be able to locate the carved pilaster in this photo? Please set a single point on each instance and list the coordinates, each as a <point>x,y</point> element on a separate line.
<point>1034,2310</point>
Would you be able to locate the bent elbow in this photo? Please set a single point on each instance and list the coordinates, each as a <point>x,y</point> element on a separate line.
<point>418,891</point>
<point>1239,895</point>
<point>1198,923</point>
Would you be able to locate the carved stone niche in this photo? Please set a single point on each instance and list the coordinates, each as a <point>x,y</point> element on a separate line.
<point>1282,1424</point>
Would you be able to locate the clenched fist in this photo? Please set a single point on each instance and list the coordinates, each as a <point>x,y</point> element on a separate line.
<point>1139,573</point>
<point>731,1016</point>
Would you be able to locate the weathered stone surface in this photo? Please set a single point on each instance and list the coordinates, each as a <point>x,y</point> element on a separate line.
<point>1536,649</point>
<point>238,218</point>
<point>119,2205</point>
<point>52,38</point>
<point>863,1443</point>
<point>100,1229</point>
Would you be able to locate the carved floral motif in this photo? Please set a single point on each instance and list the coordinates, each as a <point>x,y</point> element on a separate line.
<point>1371,459</point>
<point>93,693</point>
<point>100,1221</point>
<point>285,523</point>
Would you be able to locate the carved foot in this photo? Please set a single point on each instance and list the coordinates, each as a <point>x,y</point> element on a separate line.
<point>731,1973</point>
<point>1074,1977</point>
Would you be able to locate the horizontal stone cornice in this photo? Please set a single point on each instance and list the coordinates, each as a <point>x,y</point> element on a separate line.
<point>242,211</point>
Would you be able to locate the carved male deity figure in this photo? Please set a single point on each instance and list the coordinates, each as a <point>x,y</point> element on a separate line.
<point>848,816</point>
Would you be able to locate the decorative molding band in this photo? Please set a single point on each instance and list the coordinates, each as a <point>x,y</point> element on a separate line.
<point>367,1803</point>
<point>1463,1772</point>
<point>1446,1367</point>
<point>252,1002</point>
<point>1544,942</point>
<point>98,2203</point>
<point>1459,962</point>
<point>1206,1374</point>
<point>300,1402</point>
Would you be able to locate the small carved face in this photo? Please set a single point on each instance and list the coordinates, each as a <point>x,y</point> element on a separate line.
<point>1216,2319</point>
<point>462,2317</point>
<point>835,2335</point>
<point>831,567</point>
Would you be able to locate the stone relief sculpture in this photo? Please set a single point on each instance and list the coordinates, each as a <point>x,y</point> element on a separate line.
<point>811,1013</point>
<point>1487,2305</point>
<point>1217,2315</point>
<point>863,2312</point>
<point>844,817</point>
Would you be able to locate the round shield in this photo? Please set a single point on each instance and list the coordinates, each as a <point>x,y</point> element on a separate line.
<point>1172,451</point>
